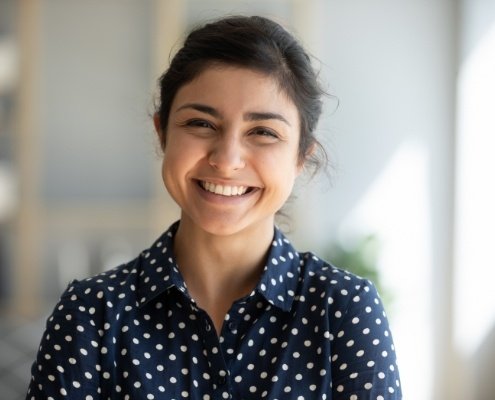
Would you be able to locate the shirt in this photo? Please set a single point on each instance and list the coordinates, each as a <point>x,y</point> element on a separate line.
<point>307,331</point>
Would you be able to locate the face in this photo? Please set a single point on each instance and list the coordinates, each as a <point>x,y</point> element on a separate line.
<point>230,159</point>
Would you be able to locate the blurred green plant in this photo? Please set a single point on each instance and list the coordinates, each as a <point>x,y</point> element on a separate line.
<point>361,258</point>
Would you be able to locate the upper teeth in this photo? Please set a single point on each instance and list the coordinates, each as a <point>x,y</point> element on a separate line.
<point>224,190</point>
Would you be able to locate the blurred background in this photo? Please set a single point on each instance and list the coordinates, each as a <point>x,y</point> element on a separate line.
<point>410,200</point>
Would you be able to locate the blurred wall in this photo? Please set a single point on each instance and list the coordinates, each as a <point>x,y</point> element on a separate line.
<point>82,142</point>
<point>474,302</point>
<point>95,99</point>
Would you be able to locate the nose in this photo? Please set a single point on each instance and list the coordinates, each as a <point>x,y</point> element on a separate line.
<point>227,154</point>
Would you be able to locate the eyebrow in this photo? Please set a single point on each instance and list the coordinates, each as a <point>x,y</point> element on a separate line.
<point>249,116</point>
<point>202,108</point>
<point>261,116</point>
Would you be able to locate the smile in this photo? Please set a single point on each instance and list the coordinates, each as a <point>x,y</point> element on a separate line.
<point>225,190</point>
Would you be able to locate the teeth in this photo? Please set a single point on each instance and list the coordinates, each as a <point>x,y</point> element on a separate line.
<point>224,190</point>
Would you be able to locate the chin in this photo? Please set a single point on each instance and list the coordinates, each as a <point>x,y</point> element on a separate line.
<point>219,225</point>
<point>221,228</point>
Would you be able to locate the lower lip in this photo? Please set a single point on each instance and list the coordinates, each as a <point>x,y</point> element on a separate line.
<point>219,199</point>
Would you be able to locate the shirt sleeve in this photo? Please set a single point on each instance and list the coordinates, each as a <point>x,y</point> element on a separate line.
<point>364,363</point>
<point>67,363</point>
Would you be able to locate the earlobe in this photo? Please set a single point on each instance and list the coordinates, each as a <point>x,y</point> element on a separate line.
<point>156,123</point>
<point>158,129</point>
<point>299,168</point>
<point>311,151</point>
<point>301,163</point>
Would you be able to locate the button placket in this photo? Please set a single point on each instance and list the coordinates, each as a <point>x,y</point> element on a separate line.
<point>207,325</point>
<point>232,325</point>
<point>221,378</point>
<point>213,347</point>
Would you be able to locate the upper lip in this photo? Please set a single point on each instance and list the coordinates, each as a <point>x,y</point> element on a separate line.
<point>224,182</point>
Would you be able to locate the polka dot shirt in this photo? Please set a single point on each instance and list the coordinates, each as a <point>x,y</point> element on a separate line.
<point>307,331</point>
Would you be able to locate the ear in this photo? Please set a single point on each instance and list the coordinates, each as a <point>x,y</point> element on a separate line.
<point>308,154</point>
<point>156,123</point>
<point>299,168</point>
<point>158,129</point>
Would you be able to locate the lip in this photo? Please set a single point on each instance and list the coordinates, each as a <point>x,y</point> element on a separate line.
<point>229,187</point>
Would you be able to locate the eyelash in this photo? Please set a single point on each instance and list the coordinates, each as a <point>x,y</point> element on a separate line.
<point>199,123</point>
<point>260,131</point>
<point>265,132</point>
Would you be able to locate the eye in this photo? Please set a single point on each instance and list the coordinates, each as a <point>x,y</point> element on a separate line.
<point>199,123</point>
<point>265,132</point>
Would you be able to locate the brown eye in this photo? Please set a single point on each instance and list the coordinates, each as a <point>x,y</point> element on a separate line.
<point>264,132</point>
<point>199,123</point>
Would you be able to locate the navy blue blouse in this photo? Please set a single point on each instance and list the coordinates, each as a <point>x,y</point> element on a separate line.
<point>307,331</point>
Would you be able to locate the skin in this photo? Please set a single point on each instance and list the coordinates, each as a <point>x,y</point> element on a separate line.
<point>236,128</point>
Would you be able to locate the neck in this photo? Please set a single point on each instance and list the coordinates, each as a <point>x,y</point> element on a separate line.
<point>220,269</point>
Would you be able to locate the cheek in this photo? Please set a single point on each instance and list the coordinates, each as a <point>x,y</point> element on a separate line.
<point>179,157</point>
<point>173,152</point>
<point>171,167</point>
<point>280,172</point>
<point>166,178</point>
<point>282,161</point>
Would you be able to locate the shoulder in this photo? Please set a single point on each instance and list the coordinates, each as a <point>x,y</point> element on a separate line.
<point>321,275</point>
<point>124,275</point>
<point>347,296</point>
<point>123,289</point>
<point>93,297</point>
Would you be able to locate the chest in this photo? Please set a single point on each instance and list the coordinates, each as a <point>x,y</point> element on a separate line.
<point>262,352</point>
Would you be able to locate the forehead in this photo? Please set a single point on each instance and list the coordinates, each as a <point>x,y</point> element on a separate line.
<point>236,88</point>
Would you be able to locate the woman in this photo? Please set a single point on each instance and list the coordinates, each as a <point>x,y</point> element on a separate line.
<point>221,305</point>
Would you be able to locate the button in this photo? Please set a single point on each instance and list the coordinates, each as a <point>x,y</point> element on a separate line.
<point>232,326</point>
<point>207,326</point>
<point>221,380</point>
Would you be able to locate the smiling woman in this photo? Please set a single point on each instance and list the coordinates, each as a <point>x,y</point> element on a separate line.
<point>231,129</point>
<point>221,305</point>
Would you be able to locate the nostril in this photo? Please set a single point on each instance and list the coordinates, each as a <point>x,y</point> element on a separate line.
<point>228,158</point>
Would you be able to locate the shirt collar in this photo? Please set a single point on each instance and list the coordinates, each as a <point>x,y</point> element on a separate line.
<point>159,271</point>
<point>281,273</point>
